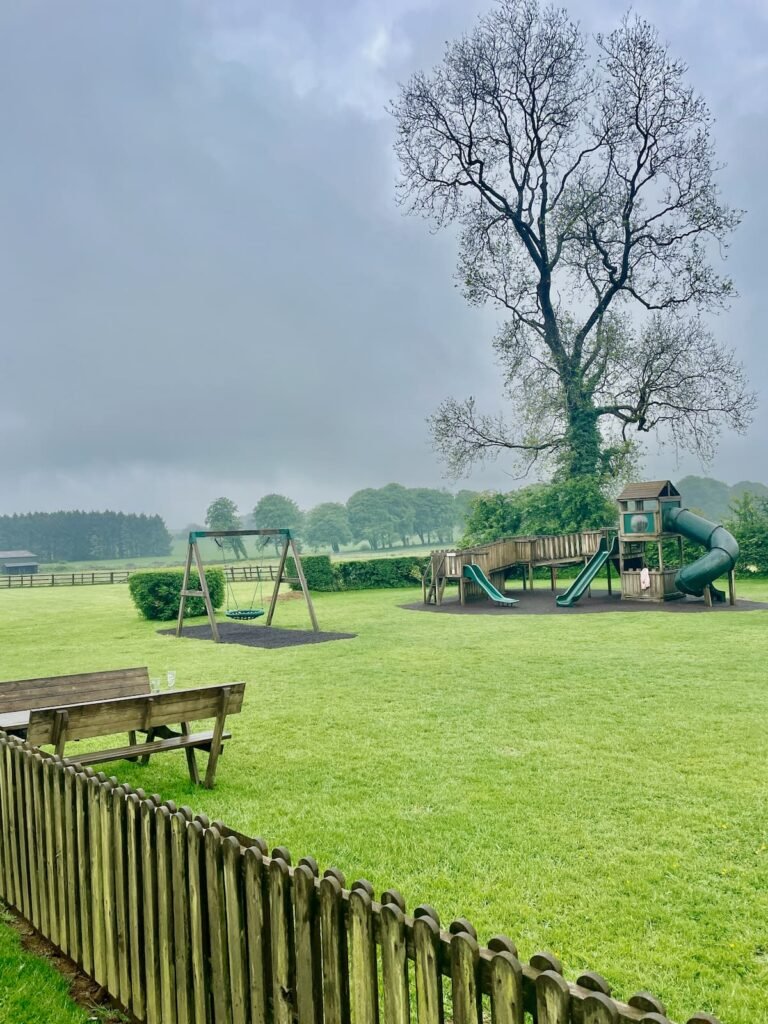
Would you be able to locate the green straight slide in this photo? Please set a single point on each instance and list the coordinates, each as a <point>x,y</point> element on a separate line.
<point>607,549</point>
<point>475,573</point>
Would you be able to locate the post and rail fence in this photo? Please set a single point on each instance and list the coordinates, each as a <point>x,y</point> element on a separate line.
<point>184,921</point>
<point>233,573</point>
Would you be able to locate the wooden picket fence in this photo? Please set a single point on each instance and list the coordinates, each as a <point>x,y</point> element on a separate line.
<point>184,921</point>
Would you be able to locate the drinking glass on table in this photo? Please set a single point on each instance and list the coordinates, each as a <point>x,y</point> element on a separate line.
<point>154,684</point>
<point>171,677</point>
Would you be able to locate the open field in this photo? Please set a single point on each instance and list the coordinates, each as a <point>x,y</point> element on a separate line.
<point>592,785</point>
<point>212,554</point>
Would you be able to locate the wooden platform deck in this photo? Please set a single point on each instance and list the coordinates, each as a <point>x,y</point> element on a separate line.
<point>496,558</point>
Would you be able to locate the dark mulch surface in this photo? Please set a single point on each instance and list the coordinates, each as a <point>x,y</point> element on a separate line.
<point>542,602</point>
<point>259,636</point>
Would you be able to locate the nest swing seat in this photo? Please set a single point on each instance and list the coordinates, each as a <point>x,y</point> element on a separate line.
<point>244,613</point>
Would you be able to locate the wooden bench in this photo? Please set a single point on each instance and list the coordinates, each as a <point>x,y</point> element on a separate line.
<point>19,696</point>
<point>152,714</point>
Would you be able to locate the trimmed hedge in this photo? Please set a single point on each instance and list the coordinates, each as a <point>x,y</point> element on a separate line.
<point>318,570</point>
<point>157,593</point>
<point>375,573</point>
<point>363,574</point>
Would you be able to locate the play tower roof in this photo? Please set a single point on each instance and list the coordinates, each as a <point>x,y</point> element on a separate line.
<point>649,489</point>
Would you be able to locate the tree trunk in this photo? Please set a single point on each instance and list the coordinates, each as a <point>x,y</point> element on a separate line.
<point>581,456</point>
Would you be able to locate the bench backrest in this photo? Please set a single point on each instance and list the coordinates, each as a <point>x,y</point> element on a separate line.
<point>54,691</point>
<point>125,714</point>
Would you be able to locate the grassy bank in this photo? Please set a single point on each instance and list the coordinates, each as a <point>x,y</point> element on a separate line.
<point>591,785</point>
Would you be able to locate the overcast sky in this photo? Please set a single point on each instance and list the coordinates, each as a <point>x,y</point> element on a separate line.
<point>205,284</point>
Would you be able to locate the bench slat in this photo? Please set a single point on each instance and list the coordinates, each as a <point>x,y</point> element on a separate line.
<point>195,739</point>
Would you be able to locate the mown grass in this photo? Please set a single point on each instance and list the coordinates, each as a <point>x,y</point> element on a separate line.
<point>31,991</point>
<point>591,785</point>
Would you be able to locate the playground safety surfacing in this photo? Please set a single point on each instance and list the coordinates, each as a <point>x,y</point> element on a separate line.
<point>259,636</point>
<point>542,602</point>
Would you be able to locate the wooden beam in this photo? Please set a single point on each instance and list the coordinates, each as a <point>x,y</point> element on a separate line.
<point>278,581</point>
<point>303,582</point>
<point>201,534</point>
<point>206,592</point>
<point>184,589</point>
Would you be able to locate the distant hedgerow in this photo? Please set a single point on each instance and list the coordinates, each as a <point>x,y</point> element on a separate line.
<point>361,574</point>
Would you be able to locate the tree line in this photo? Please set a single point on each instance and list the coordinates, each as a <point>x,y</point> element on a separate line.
<point>76,536</point>
<point>383,517</point>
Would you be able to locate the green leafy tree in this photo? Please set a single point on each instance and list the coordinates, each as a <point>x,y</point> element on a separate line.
<point>433,514</point>
<point>327,525</point>
<point>580,173</point>
<point>399,504</point>
<point>556,508</point>
<point>221,514</point>
<point>277,512</point>
<point>369,518</point>
<point>494,515</point>
<point>749,525</point>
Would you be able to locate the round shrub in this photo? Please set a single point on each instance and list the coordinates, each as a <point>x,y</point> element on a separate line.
<point>157,593</point>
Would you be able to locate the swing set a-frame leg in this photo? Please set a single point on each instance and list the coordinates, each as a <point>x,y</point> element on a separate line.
<point>290,545</point>
<point>204,592</point>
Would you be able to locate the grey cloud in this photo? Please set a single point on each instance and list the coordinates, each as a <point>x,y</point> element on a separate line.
<point>204,281</point>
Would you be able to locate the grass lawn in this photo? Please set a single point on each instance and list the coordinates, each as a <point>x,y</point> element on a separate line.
<point>31,991</point>
<point>591,785</point>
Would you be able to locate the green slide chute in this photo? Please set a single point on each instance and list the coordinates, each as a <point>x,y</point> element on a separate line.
<point>721,555</point>
<point>609,546</point>
<point>475,573</point>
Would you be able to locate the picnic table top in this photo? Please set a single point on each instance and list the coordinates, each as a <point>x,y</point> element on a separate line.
<point>14,720</point>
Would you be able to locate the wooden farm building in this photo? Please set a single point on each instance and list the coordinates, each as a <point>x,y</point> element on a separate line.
<point>18,563</point>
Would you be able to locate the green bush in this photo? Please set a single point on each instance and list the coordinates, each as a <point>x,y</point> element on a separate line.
<point>564,506</point>
<point>157,593</point>
<point>374,573</point>
<point>749,524</point>
<point>318,570</point>
<point>363,574</point>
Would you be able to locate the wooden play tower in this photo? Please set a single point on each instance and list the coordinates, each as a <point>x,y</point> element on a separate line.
<point>641,521</point>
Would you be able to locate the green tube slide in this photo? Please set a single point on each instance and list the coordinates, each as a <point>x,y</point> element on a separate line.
<point>721,555</point>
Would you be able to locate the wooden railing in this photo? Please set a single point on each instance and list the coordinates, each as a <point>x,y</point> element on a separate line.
<point>536,550</point>
<point>234,573</point>
<point>184,921</point>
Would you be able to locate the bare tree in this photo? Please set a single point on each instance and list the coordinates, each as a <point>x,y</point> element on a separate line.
<point>582,175</point>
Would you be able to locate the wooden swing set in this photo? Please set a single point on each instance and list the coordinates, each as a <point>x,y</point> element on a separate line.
<point>235,612</point>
